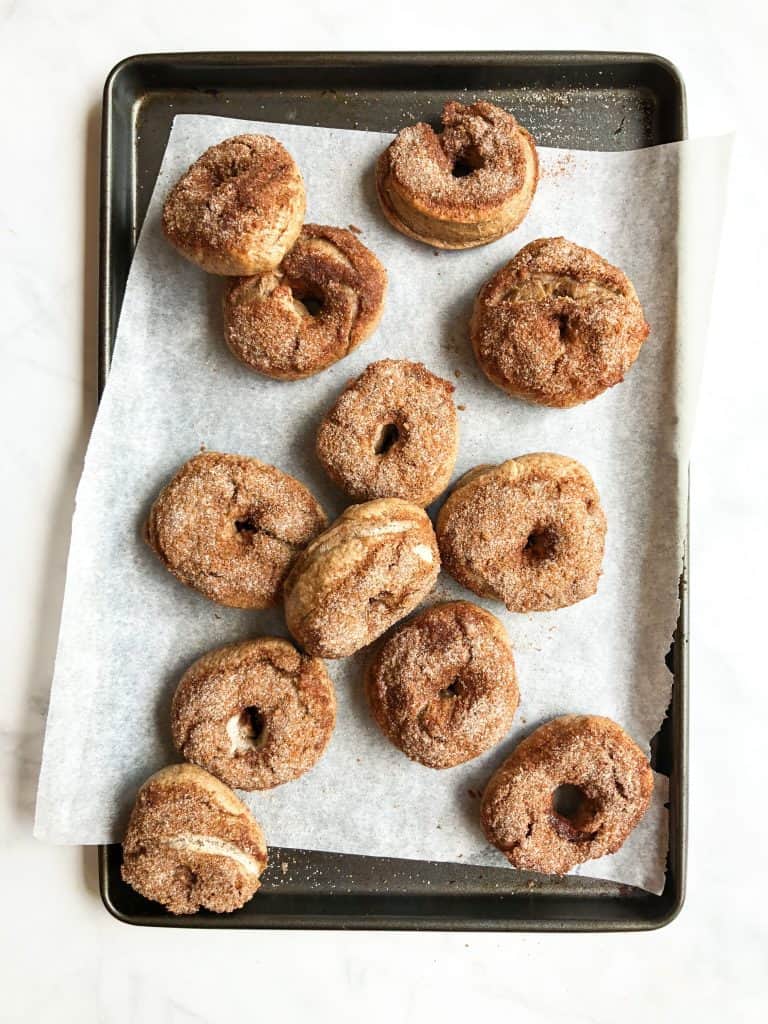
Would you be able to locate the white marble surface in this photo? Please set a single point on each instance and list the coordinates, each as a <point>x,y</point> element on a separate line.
<point>64,959</point>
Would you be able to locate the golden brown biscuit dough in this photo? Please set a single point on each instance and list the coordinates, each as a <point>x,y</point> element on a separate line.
<point>570,792</point>
<point>467,186</point>
<point>557,325</point>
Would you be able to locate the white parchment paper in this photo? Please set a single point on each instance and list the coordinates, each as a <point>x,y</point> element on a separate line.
<point>129,629</point>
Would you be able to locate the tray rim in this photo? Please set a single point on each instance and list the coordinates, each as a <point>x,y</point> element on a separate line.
<point>677,853</point>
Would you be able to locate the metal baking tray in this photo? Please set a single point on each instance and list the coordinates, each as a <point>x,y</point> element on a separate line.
<point>600,101</point>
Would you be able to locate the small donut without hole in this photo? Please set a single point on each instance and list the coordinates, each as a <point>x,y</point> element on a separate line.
<point>570,792</point>
<point>392,433</point>
<point>255,714</point>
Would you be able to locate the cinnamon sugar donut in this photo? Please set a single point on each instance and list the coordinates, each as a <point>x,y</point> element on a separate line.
<point>467,186</point>
<point>191,843</point>
<point>255,714</point>
<point>529,532</point>
<point>239,207</point>
<point>325,298</point>
<point>443,686</point>
<point>570,792</point>
<point>557,325</point>
<point>231,526</point>
<point>392,432</point>
<point>368,570</point>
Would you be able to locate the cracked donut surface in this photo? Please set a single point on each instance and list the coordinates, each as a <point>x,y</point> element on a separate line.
<point>255,714</point>
<point>464,187</point>
<point>239,207</point>
<point>325,299</point>
<point>191,843</point>
<point>231,526</point>
<point>442,687</point>
<point>392,432</point>
<point>529,532</point>
<point>369,569</point>
<point>610,784</point>
<point>557,325</point>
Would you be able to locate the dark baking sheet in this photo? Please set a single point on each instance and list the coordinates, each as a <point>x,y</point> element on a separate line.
<point>601,101</point>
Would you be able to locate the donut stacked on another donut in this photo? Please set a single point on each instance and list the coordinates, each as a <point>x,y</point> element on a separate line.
<point>191,843</point>
<point>443,686</point>
<point>255,714</point>
<point>392,433</point>
<point>467,186</point>
<point>557,325</point>
<point>529,533</point>
<point>367,571</point>
<point>570,792</point>
<point>326,297</point>
<point>231,526</point>
<point>239,207</point>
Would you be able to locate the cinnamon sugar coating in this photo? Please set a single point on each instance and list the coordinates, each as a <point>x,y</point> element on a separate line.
<point>191,843</point>
<point>367,571</point>
<point>239,207</point>
<point>231,526</point>
<point>255,714</point>
<point>557,325</point>
<point>613,780</point>
<point>392,432</point>
<point>529,532</point>
<point>467,186</point>
<point>325,298</point>
<point>443,686</point>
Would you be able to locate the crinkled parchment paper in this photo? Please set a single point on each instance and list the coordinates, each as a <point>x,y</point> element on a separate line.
<point>129,629</point>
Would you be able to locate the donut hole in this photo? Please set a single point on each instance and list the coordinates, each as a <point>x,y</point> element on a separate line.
<point>246,525</point>
<point>247,730</point>
<point>562,323</point>
<point>572,813</point>
<point>540,545</point>
<point>452,690</point>
<point>386,438</point>
<point>467,162</point>
<point>306,300</point>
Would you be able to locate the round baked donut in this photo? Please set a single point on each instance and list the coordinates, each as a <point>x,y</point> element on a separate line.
<point>326,297</point>
<point>393,432</point>
<point>255,714</point>
<point>557,325</point>
<point>443,686</point>
<point>239,207</point>
<point>231,526</point>
<point>529,532</point>
<point>467,186</point>
<point>191,843</point>
<point>571,791</point>
<point>367,571</point>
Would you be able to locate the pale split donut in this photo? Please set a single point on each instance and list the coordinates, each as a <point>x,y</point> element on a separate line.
<point>191,843</point>
<point>369,569</point>
<point>231,526</point>
<point>571,791</point>
<point>465,187</point>
<point>442,687</point>
<point>392,433</point>
<point>325,299</point>
<point>239,207</point>
<point>256,714</point>
<point>529,532</point>
<point>557,325</point>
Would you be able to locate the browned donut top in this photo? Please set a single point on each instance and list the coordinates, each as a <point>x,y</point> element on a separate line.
<point>231,526</point>
<point>443,686</point>
<point>325,299</point>
<point>558,324</point>
<point>393,432</point>
<point>368,570</point>
<point>540,827</point>
<point>255,714</point>
<point>190,843</point>
<point>242,195</point>
<point>529,532</point>
<point>481,140</point>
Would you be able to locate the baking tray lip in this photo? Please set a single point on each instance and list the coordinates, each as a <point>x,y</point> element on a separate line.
<point>137,63</point>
